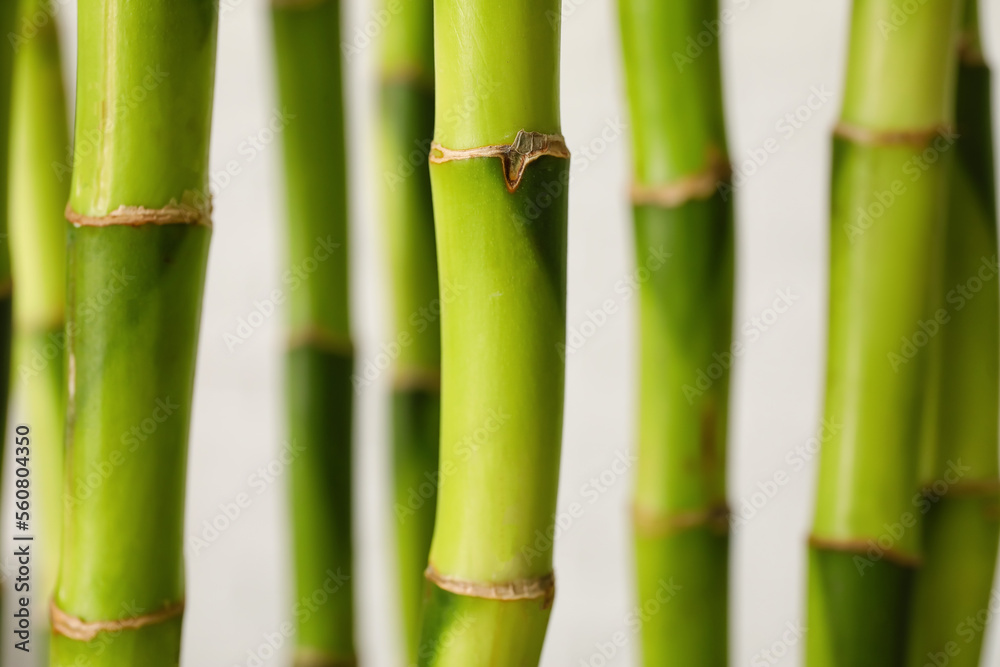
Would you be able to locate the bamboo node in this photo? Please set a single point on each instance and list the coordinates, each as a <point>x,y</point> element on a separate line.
<point>306,657</point>
<point>917,138</point>
<point>297,4</point>
<point>963,488</point>
<point>417,379</point>
<point>541,588</point>
<point>84,631</point>
<point>322,339</point>
<point>137,216</point>
<point>649,523</point>
<point>862,547</point>
<point>515,157</point>
<point>692,187</point>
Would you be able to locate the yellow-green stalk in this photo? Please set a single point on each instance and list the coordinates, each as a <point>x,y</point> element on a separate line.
<point>407,122</point>
<point>961,491</point>
<point>499,175</point>
<point>320,355</point>
<point>683,209</point>
<point>40,137</point>
<point>890,177</point>
<point>138,248</point>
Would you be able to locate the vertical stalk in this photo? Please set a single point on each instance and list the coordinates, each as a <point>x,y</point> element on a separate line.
<point>889,189</point>
<point>8,14</point>
<point>407,123</point>
<point>137,252</point>
<point>40,138</point>
<point>961,488</point>
<point>682,212</point>
<point>497,155</point>
<point>320,355</point>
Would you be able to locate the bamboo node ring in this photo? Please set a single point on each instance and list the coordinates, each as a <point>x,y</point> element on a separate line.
<point>311,658</point>
<point>698,186</point>
<point>137,216</point>
<point>648,523</point>
<point>541,588</point>
<point>917,138</point>
<point>526,148</point>
<point>75,628</point>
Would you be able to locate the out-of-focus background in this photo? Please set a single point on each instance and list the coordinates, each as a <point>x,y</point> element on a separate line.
<point>783,62</point>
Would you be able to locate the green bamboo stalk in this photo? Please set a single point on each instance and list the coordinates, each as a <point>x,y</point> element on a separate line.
<point>683,210</point>
<point>407,123</point>
<point>890,178</point>
<point>320,357</point>
<point>962,492</point>
<point>40,137</point>
<point>137,253</point>
<point>490,570</point>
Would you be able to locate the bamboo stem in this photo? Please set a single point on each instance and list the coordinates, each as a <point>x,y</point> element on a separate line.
<point>490,576</point>
<point>143,117</point>
<point>407,123</point>
<point>320,358</point>
<point>682,211</point>
<point>40,137</point>
<point>962,489</point>
<point>888,202</point>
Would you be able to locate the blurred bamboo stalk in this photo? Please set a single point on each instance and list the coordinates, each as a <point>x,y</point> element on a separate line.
<point>683,212</point>
<point>961,474</point>
<point>320,356</point>
<point>38,195</point>
<point>891,172</point>
<point>407,123</point>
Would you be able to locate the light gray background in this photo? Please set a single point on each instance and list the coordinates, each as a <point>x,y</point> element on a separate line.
<point>775,53</point>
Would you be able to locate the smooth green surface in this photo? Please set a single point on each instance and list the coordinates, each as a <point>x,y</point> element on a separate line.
<point>496,70</point>
<point>415,429</point>
<point>502,371</point>
<point>888,206</point>
<point>40,137</point>
<point>308,58</point>
<point>682,594</point>
<point>685,309</point>
<point>675,102</point>
<point>143,103</point>
<point>901,74</point>
<point>319,424</point>
<point>462,631</point>
<point>144,95</point>
<point>407,116</point>
<point>500,439</point>
<point>879,294</point>
<point>406,124</point>
<point>408,42</point>
<point>963,527</point>
<point>856,620</point>
<point>126,452</point>
<point>39,130</point>
<point>684,263</point>
<point>320,362</point>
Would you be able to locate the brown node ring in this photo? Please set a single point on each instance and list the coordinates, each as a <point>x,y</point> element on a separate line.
<point>312,658</point>
<point>861,547</point>
<point>652,524</point>
<point>322,339</point>
<point>541,588</point>
<point>84,631</point>
<point>697,186</point>
<point>527,147</point>
<point>917,138</point>
<point>137,216</point>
